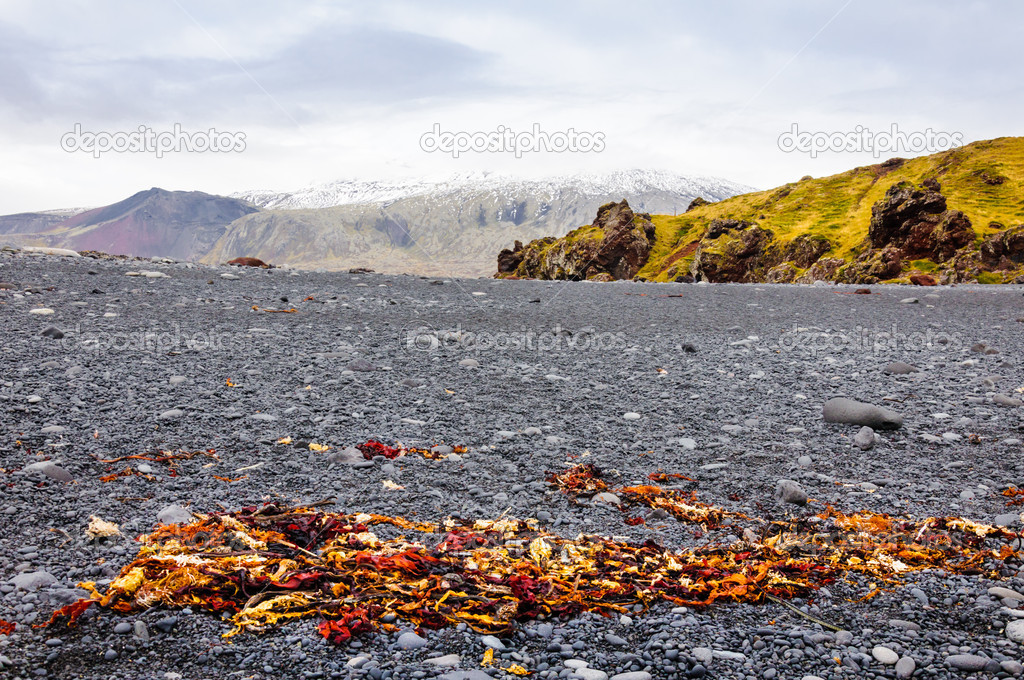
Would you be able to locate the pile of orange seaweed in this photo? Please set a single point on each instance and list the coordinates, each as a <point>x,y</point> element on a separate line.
<point>1015,495</point>
<point>585,480</point>
<point>271,564</point>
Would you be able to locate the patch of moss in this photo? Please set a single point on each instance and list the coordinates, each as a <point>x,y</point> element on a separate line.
<point>924,266</point>
<point>990,277</point>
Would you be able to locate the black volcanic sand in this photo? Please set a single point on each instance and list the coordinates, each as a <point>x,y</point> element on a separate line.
<point>748,399</point>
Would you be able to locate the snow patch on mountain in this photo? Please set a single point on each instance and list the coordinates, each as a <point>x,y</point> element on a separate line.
<point>624,184</point>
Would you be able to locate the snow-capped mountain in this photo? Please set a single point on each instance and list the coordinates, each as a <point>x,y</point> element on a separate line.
<point>456,226</point>
<point>626,183</point>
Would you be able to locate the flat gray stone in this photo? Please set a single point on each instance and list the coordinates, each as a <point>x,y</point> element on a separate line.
<point>852,412</point>
<point>900,368</point>
<point>174,514</point>
<point>1007,519</point>
<point>588,674</point>
<point>347,456</point>
<point>1000,592</point>
<point>1012,667</point>
<point>446,661</point>
<point>33,580</point>
<point>465,675</point>
<point>51,470</point>
<point>361,366</point>
<point>968,662</point>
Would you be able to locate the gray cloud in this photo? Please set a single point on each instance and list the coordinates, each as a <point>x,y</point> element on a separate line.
<point>328,69</point>
<point>705,87</point>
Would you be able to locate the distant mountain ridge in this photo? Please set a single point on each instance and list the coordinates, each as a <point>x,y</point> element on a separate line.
<point>450,227</point>
<point>182,225</point>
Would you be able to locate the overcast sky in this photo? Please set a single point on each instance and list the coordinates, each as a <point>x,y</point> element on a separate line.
<point>331,90</point>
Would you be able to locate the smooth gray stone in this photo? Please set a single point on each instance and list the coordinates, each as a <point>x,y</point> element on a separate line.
<point>410,641</point>
<point>852,412</point>
<point>905,667</point>
<point>900,368</point>
<point>51,470</point>
<point>968,662</point>
<point>791,492</point>
<point>31,580</point>
<point>864,439</point>
<point>173,514</point>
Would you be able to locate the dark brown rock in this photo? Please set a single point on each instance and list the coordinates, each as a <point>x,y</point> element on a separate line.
<point>1004,249</point>
<point>804,250</point>
<point>823,270</point>
<point>741,252</point>
<point>249,262</point>
<point>923,280</point>
<point>508,260</point>
<point>886,264</point>
<point>952,233</point>
<point>696,203</point>
<point>782,273</point>
<point>719,227</point>
<point>964,267</point>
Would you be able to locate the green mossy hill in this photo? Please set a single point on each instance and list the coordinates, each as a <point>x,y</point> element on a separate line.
<point>953,215</point>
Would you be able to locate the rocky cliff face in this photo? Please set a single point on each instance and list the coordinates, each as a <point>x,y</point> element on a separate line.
<point>614,247</point>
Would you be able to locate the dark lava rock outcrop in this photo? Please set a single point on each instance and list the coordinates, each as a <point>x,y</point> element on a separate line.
<point>733,250</point>
<point>916,221</point>
<point>614,247</point>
